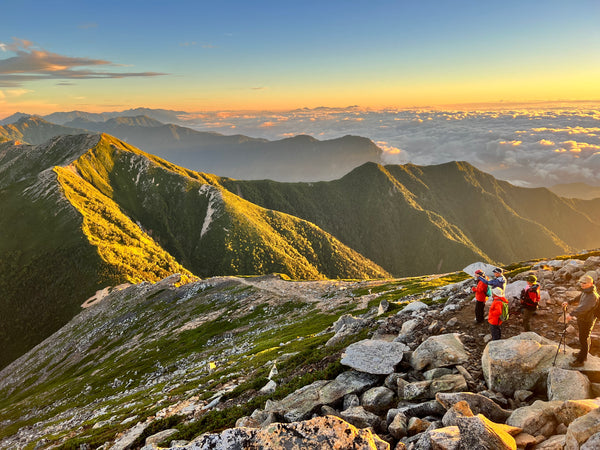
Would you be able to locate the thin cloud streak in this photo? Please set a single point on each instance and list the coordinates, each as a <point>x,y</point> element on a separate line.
<point>30,64</point>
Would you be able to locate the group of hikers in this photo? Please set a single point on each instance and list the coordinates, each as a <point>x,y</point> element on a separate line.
<point>494,287</point>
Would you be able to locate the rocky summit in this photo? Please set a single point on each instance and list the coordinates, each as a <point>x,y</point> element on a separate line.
<point>262,362</point>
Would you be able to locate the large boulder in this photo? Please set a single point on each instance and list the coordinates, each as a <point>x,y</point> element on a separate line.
<point>439,351</point>
<point>481,433</point>
<point>582,429</point>
<point>539,418</point>
<point>320,433</point>
<point>567,385</point>
<point>521,363</point>
<point>573,409</point>
<point>374,356</point>
<point>478,403</point>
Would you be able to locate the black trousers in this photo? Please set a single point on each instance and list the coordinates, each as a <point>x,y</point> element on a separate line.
<point>585,326</point>
<point>479,307</point>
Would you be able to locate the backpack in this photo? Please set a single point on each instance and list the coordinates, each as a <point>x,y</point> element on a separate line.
<point>489,292</point>
<point>504,315</point>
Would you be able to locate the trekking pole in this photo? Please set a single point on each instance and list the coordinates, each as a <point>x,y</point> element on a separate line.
<point>563,339</point>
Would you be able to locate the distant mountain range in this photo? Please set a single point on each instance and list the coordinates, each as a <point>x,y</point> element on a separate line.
<point>300,158</point>
<point>576,190</point>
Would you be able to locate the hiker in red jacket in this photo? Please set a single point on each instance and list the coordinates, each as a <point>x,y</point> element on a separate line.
<point>481,296</point>
<point>530,298</point>
<point>495,313</point>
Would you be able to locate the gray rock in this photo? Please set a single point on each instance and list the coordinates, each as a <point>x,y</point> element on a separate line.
<point>439,351</point>
<point>413,391</point>
<point>436,373</point>
<point>593,443</point>
<point>553,443</point>
<point>460,409</point>
<point>582,429</point>
<point>536,419</point>
<point>520,363</point>
<point>414,307</point>
<point>447,383</point>
<point>478,404</point>
<point>417,425</point>
<point>429,408</point>
<point>481,433</point>
<point>378,399</point>
<point>567,385</point>
<point>161,436</point>
<point>360,417</point>
<point>351,400</point>
<point>447,438</point>
<point>573,409</point>
<point>398,428</point>
<point>129,437</point>
<point>374,356</point>
<point>384,307</point>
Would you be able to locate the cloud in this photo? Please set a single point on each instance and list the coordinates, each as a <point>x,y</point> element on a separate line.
<point>31,64</point>
<point>528,147</point>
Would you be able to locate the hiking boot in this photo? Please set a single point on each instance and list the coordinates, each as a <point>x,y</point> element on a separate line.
<point>577,363</point>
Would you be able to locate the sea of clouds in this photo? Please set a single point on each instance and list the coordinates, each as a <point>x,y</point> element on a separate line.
<point>527,147</point>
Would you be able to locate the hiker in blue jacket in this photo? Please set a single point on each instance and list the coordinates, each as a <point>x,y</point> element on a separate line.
<point>497,281</point>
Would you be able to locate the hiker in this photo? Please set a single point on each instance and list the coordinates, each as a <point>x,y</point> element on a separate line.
<point>495,313</point>
<point>530,298</point>
<point>585,316</point>
<point>481,296</point>
<point>497,281</point>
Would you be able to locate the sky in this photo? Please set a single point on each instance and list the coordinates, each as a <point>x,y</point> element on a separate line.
<point>281,55</point>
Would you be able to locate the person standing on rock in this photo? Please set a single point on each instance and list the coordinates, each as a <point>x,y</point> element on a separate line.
<point>585,316</point>
<point>495,313</point>
<point>498,280</point>
<point>530,298</point>
<point>481,296</point>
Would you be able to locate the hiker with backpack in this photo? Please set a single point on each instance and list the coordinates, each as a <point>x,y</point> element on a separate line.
<point>498,313</point>
<point>481,296</point>
<point>530,298</point>
<point>498,280</point>
<point>586,317</point>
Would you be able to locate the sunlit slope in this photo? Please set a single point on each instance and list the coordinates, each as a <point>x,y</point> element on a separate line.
<point>210,230</point>
<point>34,130</point>
<point>417,219</point>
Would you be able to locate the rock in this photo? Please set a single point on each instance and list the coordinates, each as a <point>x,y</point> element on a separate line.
<point>360,417</point>
<point>246,421</point>
<point>553,443</point>
<point>414,306</point>
<point>320,433</point>
<point>447,438</point>
<point>452,322</point>
<point>573,409</point>
<point>567,385</point>
<point>439,351</point>
<point>374,356</point>
<point>274,372</point>
<point>536,419</point>
<point>269,388</point>
<point>478,404</point>
<point>413,391</point>
<point>525,440</point>
<point>416,426</point>
<point>520,363</point>
<point>126,439</point>
<point>346,325</point>
<point>593,443</point>
<point>447,383</point>
<point>299,404</point>
<point>384,307</point>
<point>378,399</point>
<point>406,332</point>
<point>582,429</point>
<point>391,381</point>
<point>429,408</point>
<point>436,373</point>
<point>351,400</point>
<point>513,290</point>
<point>398,428</point>
<point>481,433</point>
<point>459,409</point>
<point>161,436</point>
<point>521,395</point>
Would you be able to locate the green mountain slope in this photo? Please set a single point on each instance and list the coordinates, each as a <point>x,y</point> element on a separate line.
<point>412,219</point>
<point>82,212</point>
